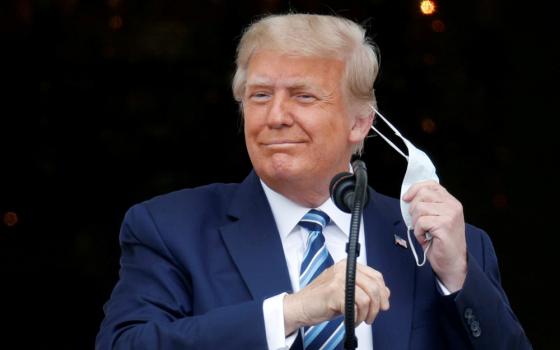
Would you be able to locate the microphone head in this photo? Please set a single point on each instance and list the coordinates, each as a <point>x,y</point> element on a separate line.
<point>342,185</point>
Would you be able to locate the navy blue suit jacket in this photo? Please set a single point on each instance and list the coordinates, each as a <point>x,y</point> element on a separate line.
<point>197,265</point>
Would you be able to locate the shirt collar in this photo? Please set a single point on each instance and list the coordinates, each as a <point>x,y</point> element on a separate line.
<point>287,213</point>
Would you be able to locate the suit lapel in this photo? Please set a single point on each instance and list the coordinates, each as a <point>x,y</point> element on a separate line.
<point>253,241</point>
<point>391,329</point>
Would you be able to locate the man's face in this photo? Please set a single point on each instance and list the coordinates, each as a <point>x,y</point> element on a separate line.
<point>298,130</point>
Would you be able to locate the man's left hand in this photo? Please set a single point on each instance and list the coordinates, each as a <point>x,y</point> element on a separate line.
<point>436,211</point>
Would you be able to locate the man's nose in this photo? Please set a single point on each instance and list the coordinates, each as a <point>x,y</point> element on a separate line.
<point>279,114</point>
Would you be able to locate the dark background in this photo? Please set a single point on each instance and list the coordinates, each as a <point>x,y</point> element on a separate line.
<point>108,103</point>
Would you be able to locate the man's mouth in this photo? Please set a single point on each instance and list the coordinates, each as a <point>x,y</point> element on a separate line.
<point>282,142</point>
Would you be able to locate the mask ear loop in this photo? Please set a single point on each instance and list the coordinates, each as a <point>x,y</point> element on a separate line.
<point>384,137</point>
<point>430,241</point>
<point>427,235</point>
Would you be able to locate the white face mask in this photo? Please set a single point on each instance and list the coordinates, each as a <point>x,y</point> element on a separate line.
<point>420,168</point>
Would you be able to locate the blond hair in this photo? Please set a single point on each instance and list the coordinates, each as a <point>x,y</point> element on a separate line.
<point>314,35</point>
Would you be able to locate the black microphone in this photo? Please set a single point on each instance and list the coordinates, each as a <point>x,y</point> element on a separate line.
<point>349,193</point>
<point>342,189</point>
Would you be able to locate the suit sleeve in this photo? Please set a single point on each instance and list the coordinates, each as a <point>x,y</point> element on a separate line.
<point>151,306</point>
<point>480,313</point>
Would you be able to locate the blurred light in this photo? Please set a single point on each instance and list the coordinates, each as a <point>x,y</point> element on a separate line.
<point>438,26</point>
<point>10,219</point>
<point>68,7</point>
<point>116,22</point>
<point>113,3</point>
<point>500,201</point>
<point>428,125</point>
<point>429,59</point>
<point>428,7</point>
<point>25,11</point>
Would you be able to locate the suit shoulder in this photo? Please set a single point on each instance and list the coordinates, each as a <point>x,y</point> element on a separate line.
<point>478,241</point>
<point>216,196</point>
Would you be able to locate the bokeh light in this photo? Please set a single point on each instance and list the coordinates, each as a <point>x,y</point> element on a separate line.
<point>427,7</point>
<point>10,219</point>
<point>428,125</point>
<point>116,22</point>
<point>429,59</point>
<point>113,3</point>
<point>438,26</point>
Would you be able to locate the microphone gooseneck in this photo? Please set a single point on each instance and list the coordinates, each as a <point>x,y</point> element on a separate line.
<point>349,193</point>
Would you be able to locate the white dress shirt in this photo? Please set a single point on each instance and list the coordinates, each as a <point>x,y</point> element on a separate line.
<point>287,215</point>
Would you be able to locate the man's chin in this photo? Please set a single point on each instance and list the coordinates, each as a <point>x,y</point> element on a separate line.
<point>283,174</point>
<point>282,170</point>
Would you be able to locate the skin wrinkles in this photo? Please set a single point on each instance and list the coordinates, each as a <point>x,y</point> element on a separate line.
<point>298,128</point>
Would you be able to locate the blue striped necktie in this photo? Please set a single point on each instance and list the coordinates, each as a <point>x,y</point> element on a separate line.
<point>328,335</point>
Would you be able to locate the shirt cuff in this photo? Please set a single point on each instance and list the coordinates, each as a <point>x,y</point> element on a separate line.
<point>273,311</point>
<point>442,288</point>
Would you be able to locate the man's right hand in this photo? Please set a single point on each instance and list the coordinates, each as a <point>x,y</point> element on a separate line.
<point>323,299</point>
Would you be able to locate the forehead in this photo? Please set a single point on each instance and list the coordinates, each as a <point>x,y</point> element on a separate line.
<point>275,68</point>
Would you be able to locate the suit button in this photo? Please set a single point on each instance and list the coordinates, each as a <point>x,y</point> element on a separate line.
<point>475,329</point>
<point>469,315</point>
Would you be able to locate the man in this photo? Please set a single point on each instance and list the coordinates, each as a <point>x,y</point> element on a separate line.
<point>261,264</point>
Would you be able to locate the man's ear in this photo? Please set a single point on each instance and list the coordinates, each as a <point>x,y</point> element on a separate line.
<point>360,127</point>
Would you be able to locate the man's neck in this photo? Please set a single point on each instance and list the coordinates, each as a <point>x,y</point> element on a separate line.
<point>307,196</point>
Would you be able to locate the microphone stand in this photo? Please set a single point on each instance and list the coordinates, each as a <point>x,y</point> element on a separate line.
<point>353,251</point>
<point>349,193</point>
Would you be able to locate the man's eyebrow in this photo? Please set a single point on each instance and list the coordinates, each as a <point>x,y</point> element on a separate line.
<point>259,81</point>
<point>291,83</point>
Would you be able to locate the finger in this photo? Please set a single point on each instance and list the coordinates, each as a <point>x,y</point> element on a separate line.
<point>424,209</point>
<point>370,272</point>
<point>429,209</point>
<point>429,195</point>
<point>370,280</point>
<point>377,292</point>
<point>437,216</point>
<point>421,226</point>
<point>363,303</point>
<point>339,266</point>
<point>431,205</point>
<point>385,304</point>
<point>413,190</point>
<point>427,224</point>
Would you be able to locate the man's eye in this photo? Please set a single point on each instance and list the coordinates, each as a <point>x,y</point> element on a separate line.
<point>260,96</point>
<point>306,98</point>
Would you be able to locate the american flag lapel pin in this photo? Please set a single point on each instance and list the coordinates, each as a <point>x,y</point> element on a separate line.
<point>400,242</point>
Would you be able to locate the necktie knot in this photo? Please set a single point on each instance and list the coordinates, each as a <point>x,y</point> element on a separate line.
<point>315,220</point>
